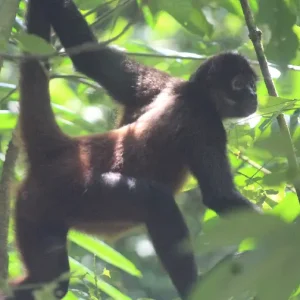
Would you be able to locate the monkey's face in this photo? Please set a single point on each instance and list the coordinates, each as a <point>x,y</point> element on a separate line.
<point>233,87</point>
<point>230,83</point>
<point>238,98</point>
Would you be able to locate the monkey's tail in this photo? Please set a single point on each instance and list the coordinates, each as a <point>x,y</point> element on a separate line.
<point>39,130</point>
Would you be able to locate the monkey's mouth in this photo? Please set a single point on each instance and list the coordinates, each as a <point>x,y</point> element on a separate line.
<point>247,110</point>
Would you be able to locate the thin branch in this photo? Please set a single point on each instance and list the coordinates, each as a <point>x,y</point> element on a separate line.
<point>12,91</point>
<point>104,16</point>
<point>109,13</point>
<point>77,78</point>
<point>87,47</point>
<point>250,162</point>
<point>98,8</point>
<point>98,46</point>
<point>94,46</point>
<point>256,37</point>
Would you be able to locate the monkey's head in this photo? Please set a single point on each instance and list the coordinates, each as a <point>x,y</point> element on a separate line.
<point>231,84</point>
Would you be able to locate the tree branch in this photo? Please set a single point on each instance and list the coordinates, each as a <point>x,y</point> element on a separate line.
<point>255,35</point>
<point>98,46</point>
<point>5,179</point>
<point>8,10</point>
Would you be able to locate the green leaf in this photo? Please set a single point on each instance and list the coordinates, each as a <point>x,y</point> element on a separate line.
<point>190,18</point>
<point>34,44</point>
<point>270,104</point>
<point>148,15</point>
<point>230,231</point>
<point>288,208</point>
<point>283,45</point>
<point>82,272</point>
<point>190,184</point>
<point>275,260</point>
<point>70,296</point>
<point>105,252</point>
<point>15,265</point>
<point>7,120</point>
<point>253,273</point>
<point>87,4</point>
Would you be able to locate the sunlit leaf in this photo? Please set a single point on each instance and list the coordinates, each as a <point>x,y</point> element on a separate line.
<point>254,272</point>
<point>192,19</point>
<point>78,270</point>
<point>288,208</point>
<point>34,44</point>
<point>232,230</point>
<point>7,120</point>
<point>104,252</point>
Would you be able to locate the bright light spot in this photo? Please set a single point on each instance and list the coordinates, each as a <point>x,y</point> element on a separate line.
<point>274,72</point>
<point>166,51</point>
<point>252,120</point>
<point>13,107</point>
<point>144,248</point>
<point>93,114</point>
<point>287,118</point>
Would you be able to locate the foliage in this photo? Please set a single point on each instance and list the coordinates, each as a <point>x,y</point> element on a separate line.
<point>187,31</point>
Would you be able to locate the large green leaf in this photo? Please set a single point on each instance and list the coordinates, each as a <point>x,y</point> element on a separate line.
<point>256,271</point>
<point>190,18</point>
<point>230,231</point>
<point>284,43</point>
<point>105,252</point>
<point>34,44</point>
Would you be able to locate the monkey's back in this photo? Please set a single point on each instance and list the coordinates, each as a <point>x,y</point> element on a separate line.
<point>136,153</point>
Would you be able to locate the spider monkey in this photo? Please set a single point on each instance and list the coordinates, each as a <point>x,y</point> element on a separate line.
<point>108,183</point>
<point>176,111</point>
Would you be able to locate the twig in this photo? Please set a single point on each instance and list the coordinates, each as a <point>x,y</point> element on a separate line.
<point>107,14</point>
<point>250,162</point>
<point>255,35</point>
<point>2,100</point>
<point>77,78</point>
<point>257,166</point>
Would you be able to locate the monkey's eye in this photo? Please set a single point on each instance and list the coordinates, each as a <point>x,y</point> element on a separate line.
<point>238,83</point>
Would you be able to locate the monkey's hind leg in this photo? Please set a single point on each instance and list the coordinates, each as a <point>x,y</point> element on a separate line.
<point>43,247</point>
<point>139,201</point>
<point>170,236</point>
